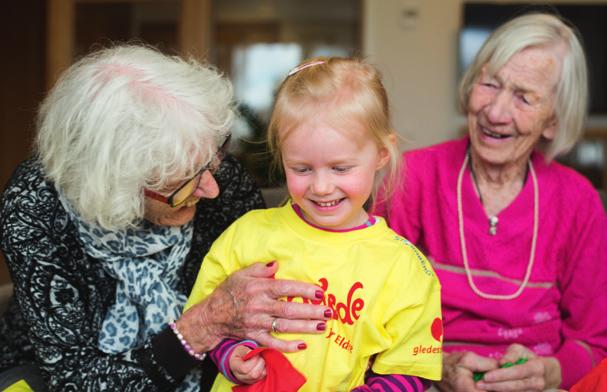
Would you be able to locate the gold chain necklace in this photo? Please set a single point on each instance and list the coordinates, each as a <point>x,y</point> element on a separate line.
<point>462,238</point>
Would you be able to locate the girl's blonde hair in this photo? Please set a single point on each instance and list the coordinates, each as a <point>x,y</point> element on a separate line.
<point>343,90</point>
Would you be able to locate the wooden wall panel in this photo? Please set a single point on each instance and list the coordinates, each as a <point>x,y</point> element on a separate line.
<point>22,31</point>
<point>195,28</point>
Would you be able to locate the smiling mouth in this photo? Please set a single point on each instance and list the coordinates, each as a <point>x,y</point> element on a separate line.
<point>331,203</point>
<point>493,135</point>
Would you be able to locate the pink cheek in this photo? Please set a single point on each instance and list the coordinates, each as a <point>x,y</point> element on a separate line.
<point>295,185</point>
<point>476,103</point>
<point>358,186</point>
<point>480,98</point>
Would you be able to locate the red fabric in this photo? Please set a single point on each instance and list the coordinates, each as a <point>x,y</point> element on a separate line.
<point>281,376</point>
<point>595,381</point>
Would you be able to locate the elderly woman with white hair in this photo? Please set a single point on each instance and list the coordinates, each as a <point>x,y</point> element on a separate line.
<point>518,241</point>
<point>105,228</point>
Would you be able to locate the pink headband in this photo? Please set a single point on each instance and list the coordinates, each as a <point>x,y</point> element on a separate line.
<point>304,66</point>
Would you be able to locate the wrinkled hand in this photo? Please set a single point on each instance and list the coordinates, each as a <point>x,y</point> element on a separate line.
<point>537,374</point>
<point>245,305</point>
<point>249,371</point>
<point>459,368</point>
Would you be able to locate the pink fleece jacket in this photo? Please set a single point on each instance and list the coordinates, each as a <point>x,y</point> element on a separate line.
<point>562,312</point>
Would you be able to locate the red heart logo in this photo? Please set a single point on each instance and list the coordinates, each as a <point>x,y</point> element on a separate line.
<point>437,329</point>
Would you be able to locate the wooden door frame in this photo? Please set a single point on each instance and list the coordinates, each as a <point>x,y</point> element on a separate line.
<point>194,37</point>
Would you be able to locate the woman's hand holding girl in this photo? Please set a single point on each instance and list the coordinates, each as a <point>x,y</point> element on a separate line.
<point>247,306</point>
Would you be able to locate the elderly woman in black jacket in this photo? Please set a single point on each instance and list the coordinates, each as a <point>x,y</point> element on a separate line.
<point>105,228</point>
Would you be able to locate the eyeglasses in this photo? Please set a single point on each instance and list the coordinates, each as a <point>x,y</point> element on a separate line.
<point>185,190</point>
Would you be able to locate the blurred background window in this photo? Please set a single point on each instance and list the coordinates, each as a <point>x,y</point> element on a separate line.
<point>257,42</point>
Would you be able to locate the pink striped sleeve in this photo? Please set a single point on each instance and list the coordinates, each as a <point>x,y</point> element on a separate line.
<point>393,383</point>
<point>223,351</point>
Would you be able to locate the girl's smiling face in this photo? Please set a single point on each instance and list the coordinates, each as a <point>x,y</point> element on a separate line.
<point>330,172</point>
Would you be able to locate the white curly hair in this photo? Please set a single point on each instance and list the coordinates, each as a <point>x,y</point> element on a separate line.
<point>127,118</point>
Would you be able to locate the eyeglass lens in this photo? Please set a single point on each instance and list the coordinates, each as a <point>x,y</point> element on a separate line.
<point>187,189</point>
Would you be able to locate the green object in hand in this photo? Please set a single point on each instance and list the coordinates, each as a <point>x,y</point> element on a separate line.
<point>479,375</point>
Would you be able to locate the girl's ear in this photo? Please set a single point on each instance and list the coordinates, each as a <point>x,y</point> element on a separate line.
<point>384,153</point>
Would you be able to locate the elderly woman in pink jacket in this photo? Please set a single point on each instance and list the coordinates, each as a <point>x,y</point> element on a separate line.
<point>519,242</point>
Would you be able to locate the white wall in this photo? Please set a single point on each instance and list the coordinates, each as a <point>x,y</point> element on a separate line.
<point>419,64</point>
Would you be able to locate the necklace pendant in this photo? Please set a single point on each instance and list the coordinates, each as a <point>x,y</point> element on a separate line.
<point>493,220</point>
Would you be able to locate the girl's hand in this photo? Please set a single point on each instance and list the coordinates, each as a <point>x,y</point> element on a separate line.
<point>245,306</point>
<point>249,371</point>
<point>537,374</point>
<point>459,368</point>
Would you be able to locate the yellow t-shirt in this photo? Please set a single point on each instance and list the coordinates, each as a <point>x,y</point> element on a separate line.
<point>383,291</point>
<point>19,386</point>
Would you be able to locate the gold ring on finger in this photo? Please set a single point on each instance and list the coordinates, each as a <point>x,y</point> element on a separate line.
<point>275,325</point>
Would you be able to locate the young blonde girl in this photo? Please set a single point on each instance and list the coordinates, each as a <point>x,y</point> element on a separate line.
<point>330,132</point>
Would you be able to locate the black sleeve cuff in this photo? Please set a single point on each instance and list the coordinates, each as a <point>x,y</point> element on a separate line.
<point>171,355</point>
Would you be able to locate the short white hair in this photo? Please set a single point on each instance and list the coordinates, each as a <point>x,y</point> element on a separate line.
<point>571,95</point>
<point>126,118</point>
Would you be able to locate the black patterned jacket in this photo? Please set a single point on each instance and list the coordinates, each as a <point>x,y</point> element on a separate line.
<point>62,295</point>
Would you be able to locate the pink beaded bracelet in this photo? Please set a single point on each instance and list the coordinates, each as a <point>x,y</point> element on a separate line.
<point>185,344</point>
